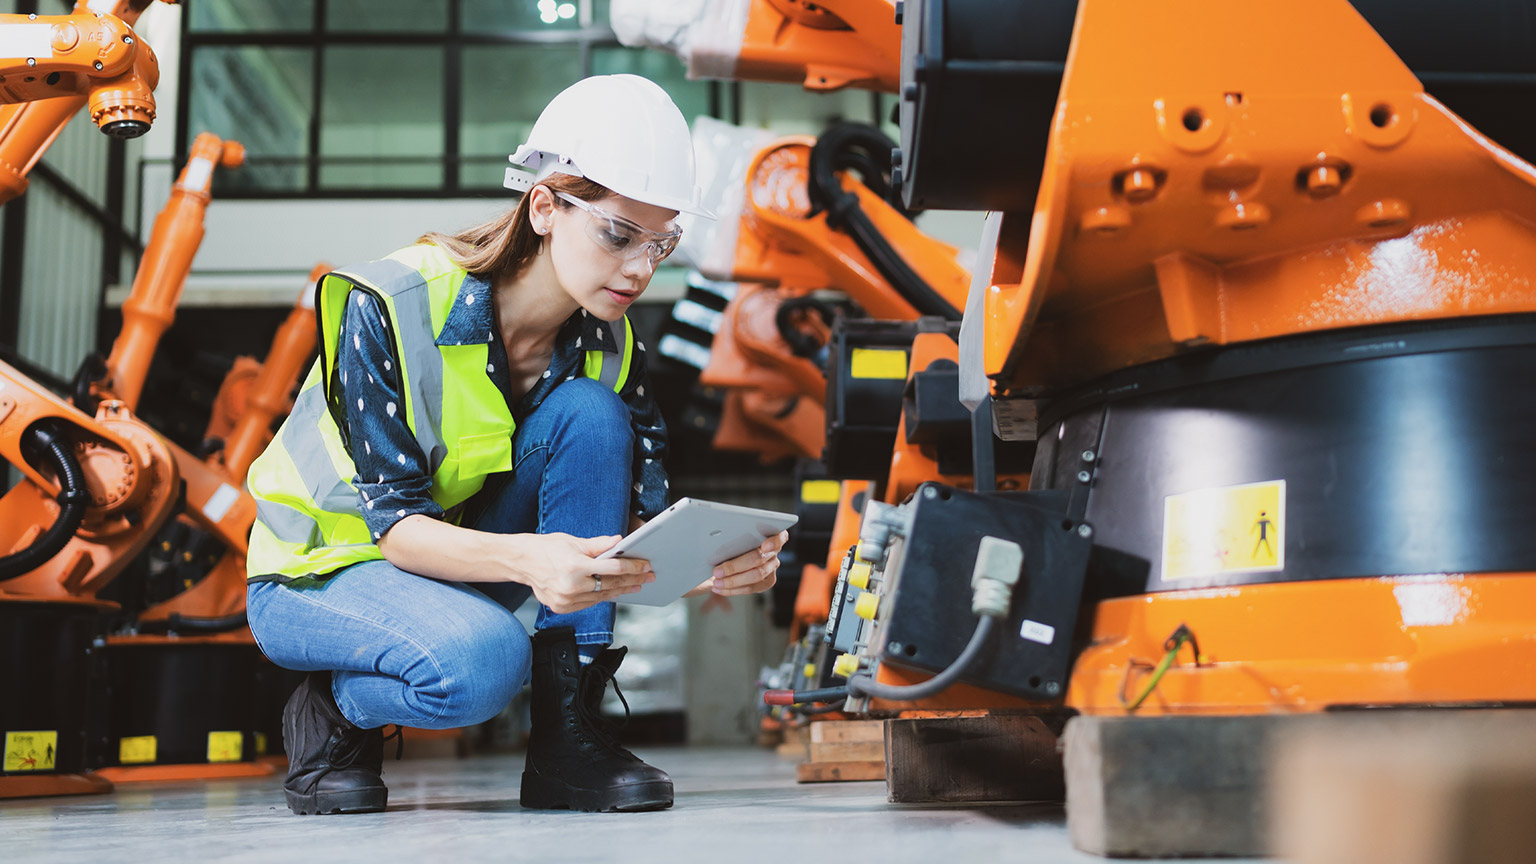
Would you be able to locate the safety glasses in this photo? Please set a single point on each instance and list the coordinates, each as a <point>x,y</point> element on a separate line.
<point>622,237</point>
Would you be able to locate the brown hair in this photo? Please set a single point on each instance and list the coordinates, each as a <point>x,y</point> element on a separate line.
<point>505,245</point>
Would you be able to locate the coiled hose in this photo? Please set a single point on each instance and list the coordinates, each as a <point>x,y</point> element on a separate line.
<point>866,150</point>
<point>73,500</point>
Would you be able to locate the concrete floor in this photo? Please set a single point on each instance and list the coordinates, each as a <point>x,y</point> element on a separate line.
<point>734,805</point>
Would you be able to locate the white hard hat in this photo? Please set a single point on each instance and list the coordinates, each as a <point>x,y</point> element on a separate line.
<point>622,131</point>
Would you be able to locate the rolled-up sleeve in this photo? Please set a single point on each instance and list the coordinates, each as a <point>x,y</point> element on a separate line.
<point>649,493</point>
<point>392,480</point>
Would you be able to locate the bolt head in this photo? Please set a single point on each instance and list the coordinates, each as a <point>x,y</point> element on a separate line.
<point>31,61</point>
<point>1052,687</point>
<point>1085,530</point>
<point>1084,476</point>
<point>1089,455</point>
<point>930,492</point>
<point>893,648</point>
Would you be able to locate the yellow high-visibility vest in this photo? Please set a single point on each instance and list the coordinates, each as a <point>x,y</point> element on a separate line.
<point>308,521</point>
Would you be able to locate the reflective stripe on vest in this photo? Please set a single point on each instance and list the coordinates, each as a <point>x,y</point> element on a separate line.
<point>308,517</point>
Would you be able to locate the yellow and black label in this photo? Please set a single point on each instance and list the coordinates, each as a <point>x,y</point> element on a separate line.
<point>261,743</point>
<point>225,746</point>
<point>137,749</point>
<point>878,363</point>
<point>31,751</point>
<point>820,491</point>
<point>1226,529</point>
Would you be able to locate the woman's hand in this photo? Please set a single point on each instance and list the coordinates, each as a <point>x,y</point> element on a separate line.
<point>750,573</point>
<point>561,570</point>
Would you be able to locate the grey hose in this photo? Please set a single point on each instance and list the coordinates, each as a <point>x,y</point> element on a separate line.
<point>863,685</point>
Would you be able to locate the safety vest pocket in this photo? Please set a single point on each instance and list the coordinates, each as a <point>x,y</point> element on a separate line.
<point>481,455</point>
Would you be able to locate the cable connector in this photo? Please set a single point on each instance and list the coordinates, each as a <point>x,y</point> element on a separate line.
<point>998,563</point>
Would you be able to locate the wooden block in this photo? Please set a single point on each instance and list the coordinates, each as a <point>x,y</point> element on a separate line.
<point>1407,787</point>
<point>796,744</point>
<point>848,751</point>
<point>998,757</point>
<point>828,772</point>
<point>847,731</point>
<point>1165,787</point>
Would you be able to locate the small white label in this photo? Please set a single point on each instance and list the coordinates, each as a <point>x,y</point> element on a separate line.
<point>1034,631</point>
<point>20,41</point>
<point>198,176</point>
<point>220,501</point>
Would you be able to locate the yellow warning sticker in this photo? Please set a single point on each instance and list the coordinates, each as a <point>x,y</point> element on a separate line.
<point>820,491</point>
<point>878,363</point>
<point>137,749</point>
<point>1228,529</point>
<point>31,751</point>
<point>225,746</point>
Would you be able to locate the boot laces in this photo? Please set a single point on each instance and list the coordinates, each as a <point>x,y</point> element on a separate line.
<point>347,745</point>
<point>594,676</point>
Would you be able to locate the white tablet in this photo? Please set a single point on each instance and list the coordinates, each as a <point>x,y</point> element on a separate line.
<point>685,542</point>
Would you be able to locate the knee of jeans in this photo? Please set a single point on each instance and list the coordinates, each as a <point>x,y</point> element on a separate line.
<point>595,411</point>
<point>488,668</point>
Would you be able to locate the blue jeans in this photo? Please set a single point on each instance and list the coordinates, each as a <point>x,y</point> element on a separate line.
<point>431,654</point>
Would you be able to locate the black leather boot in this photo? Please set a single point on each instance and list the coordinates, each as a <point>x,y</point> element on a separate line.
<point>333,766</point>
<point>573,762</point>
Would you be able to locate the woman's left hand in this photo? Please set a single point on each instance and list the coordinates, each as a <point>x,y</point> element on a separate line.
<point>749,573</point>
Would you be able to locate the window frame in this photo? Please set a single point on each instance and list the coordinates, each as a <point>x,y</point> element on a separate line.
<point>452,40</point>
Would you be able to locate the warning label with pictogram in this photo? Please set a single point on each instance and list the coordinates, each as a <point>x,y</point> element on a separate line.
<point>31,751</point>
<point>1227,529</point>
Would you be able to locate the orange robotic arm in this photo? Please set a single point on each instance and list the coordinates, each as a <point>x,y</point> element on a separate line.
<point>826,45</point>
<point>27,129</point>
<point>81,54</point>
<point>151,305</point>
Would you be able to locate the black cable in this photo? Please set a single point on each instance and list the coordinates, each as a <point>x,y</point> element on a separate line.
<point>179,623</point>
<point>73,500</point>
<point>92,369</point>
<point>858,147</point>
<point>811,710</point>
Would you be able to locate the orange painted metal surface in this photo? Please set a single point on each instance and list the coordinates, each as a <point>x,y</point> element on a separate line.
<point>46,785</point>
<point>1307,646</point>
<point>915,464</point>
<point>813,601</point>
<point>131,475</point>
<point>1274,170</point>
<point>94,56</point>
<point>781,241</point>
<point>27,129</point>
<point>124,774</point>
<point>269,394</point>
<point>826,45</point>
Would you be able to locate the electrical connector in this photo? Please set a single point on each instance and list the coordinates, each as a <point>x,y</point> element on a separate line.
<point>998,563</point>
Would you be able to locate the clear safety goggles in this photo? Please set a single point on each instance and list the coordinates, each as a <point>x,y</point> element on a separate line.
<point>624,238</point>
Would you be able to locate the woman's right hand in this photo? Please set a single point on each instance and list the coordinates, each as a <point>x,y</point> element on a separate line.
<point>560,569</point>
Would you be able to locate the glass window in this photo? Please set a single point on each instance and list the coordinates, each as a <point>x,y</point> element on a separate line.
<point>260,97</point>
<point>392,16</point>
<point>252,16</point>
<point>381,117</point>
<point>520,16</point>
<point>505,88</point>
<point>692,97</point>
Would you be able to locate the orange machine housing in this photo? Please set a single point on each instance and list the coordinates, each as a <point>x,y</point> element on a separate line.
<point>1240,189</point>
<point>793,253</point>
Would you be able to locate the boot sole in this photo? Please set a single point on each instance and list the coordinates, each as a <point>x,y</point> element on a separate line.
<point>545,793</point>
<point>353,801</point>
